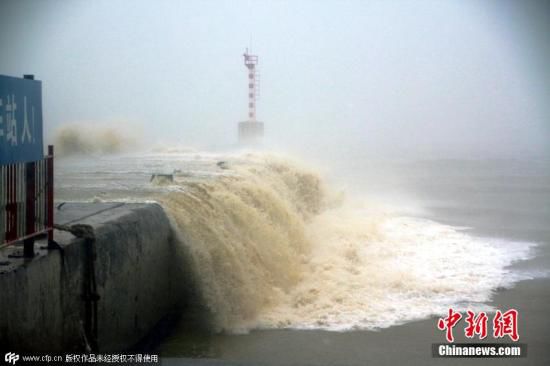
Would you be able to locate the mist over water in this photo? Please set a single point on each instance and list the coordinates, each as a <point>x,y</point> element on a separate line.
<point>451,79</point>
<point>78,140</point>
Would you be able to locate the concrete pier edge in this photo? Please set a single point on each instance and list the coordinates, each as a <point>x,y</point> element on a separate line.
<point>114,278</point>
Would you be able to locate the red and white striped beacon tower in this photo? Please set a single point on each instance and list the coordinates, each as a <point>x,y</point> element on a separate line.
<point>251,131</point>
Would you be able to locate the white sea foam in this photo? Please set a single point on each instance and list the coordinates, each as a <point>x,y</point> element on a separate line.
<point>375,272</point>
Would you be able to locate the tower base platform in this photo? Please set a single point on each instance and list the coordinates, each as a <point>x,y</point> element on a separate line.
<point>251,132</point>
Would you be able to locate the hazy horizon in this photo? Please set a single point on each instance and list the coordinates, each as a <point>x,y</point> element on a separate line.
<point>394,78</point>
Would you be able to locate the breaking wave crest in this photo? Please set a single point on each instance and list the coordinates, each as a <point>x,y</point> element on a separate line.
<point>271,247</point>
<point>73,140</point>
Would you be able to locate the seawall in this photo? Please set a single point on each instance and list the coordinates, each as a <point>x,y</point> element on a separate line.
<point>113,278</point>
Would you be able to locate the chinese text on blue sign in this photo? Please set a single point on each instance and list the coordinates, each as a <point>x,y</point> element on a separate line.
<point>20,120</point>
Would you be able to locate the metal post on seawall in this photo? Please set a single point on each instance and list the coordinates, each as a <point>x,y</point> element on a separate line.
<point>49,201</point>
<point>11,205</point>
<point>30,178</point>
<point>30,182</point>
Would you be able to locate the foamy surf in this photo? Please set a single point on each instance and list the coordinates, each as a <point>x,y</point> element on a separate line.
<point>391,270</point>
<point>272,249</point>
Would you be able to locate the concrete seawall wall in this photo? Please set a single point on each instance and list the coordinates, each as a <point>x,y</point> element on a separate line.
<point>49,303</point>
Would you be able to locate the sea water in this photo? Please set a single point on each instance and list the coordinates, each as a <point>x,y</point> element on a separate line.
<point>275,244</point>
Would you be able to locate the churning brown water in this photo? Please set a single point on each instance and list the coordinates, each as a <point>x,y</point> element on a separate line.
<point>273,247</point>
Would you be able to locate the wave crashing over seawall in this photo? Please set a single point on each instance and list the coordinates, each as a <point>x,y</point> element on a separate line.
<point>77,140</point>
<point>272,247</point>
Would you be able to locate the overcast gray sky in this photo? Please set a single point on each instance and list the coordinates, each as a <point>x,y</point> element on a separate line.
<point>440,78</point>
